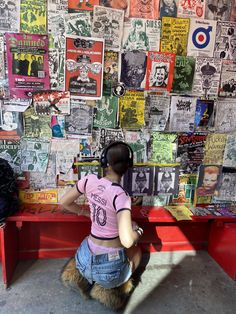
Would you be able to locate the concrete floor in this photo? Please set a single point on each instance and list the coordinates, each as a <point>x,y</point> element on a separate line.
<point>173,283</point>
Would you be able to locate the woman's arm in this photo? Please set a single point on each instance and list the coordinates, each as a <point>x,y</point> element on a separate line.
<point>128,237</point>
<point>68,202</point>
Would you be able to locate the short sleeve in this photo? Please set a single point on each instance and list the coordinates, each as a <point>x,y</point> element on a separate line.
<point>122,201</point>
<point>81,184</point>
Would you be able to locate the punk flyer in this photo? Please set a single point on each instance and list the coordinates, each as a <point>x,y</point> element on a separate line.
<point>34,155</point>
<point>141,34</point>
<point>27,60</point>
<point>9,16</point>
<point>144,9</point>
<point>84,67</point>
<point>11,123</point>
<point>138,181</point>
<point>33,16</point>
<point>110,75</point>
<point>174,37</point>
<point>108,24</point>
<point>207,77</point>
<point>79,24</point>
<point>204,115</point>
<point>133,69</point>
<point>218,10</point>
<point>163,147</point>
<point>183,74</point>
<point>225,45</point>
<point>228,79</point>
<point>51,102</point>
<point>57,6</point>
<point>106,112</point>
<point>35,125</point>
<point>230,152</point>
<point>10,151</point>
<point>182,114</point>
<point>160,71</point>
<point>56,30</point>
<point>227,186</point>
<point>156,112</point>
<point>56,61</point>
<point>81,5</point>
<point>166,180</point>
<point>191,8</point>
<point>190,151</point>
<point>85,169</point>
<point>2,59</point>
<point>168,8</point>
<point>109,135</point>
<point>201,38</point>
<point>225,116</point>
<point>80,119</point>
<point>214,149</point>
<point>132,110</point>
<point>117,4</point>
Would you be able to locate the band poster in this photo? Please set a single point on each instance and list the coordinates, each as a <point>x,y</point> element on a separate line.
<point>218,10</point>
<point>144,9</point>
<point>191,8</point>
<point>141,34</point>
<point>228,79</point>
<point>225,46</point>
<point>81,5</point>
<point>27,60</point>
<point>201,38</point>
<point>79,24</point>
<point>108,24</point>
<point>10,16</point>
<point>166,180</point>
<point>168,8</point>
<point>57,7</point>
<point>160,71</point>
<point>230,152</point>
<point>84,67</point>
<point>225,116</point>
<point>111,65</point>
<point>214,149</point>
<point>175,35</point>
<point>183,74</point>
<point>51,103</point>
<point>33,16</point>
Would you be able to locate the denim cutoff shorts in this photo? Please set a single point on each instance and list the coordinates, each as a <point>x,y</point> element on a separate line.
<point>109,270</point>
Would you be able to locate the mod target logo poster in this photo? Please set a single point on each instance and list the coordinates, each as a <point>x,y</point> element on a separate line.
<point>201,39</point>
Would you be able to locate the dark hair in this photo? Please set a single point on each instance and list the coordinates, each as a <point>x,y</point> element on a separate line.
<point>118,158</point>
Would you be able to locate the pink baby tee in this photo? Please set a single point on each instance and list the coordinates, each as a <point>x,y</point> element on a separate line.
<point>105,200</point>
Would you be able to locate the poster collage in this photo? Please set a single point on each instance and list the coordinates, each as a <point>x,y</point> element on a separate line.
<point>159,75</point>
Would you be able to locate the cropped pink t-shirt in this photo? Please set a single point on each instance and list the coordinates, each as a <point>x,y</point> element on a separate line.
<point>105,200</point>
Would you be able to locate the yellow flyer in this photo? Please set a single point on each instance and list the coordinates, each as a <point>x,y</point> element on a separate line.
<point>39,197</point>
<point>180,212</point>
<point>214,149</point>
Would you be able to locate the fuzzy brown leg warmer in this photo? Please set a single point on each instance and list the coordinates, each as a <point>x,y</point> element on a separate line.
<point>72,278</point>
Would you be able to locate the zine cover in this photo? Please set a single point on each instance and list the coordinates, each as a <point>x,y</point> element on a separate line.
<point>201,39</point>
<point>80,119</point>
<point>106,112</point>
<point>51,102</point>
<point>156,112</point>
<point>163,147</point>
<point>27,61</point>
<point>10,151</point>
<point>141,34</point>
<point>214,149</point>
<point>225,45</point>
<point>225,116</point>
<point>190,151</point>
<point>182,114</point>
<point>166,180</point>
<point>230,152</point>
<point>84,67</point>
<point>138,181</point>
<point>160,71</point>
<point>133,69</point>
<point>9,16</point>
<point>81,5</point>
<point>191,8</point>
<point>207,77</point>
<point>204,115</point>
<point>226,190</point>
<point>208,180</point>
<point>183,74</point>
<point>110,75</point>
<point>168,8</point>
<point>79,24</point>
<point>228,79</point>
<point>132,110</point>
<point>218,10</point>
<point>86,169</point>
<point>144,9</point>
<point>174,35</point>
<point>33,16</point>
<point>108,24</point>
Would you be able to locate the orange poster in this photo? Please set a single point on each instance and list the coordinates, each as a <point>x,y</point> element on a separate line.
<point>81,5</point>
<point>147,9</point>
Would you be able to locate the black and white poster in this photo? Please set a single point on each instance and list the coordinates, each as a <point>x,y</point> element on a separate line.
<point>166,180</point>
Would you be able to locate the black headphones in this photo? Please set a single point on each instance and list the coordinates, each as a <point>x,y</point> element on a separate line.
<point>103,159</point>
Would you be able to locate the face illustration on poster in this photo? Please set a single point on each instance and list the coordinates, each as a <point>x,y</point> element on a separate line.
<point>140,182</point>
<point>166,182</point>
<point>160,75</point>
<point>8,123</point>
<point>168,8</point>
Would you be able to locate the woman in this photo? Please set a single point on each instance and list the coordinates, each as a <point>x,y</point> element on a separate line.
<point>109,255</point>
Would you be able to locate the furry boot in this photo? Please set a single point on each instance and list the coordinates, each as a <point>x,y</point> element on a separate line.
<point>114,298</point>
<point>72,278</point>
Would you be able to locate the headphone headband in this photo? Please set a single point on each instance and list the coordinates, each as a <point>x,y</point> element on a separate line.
<point>104,161</point>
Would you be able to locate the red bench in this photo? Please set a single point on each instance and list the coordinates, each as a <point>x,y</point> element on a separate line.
<point>46,231</point>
